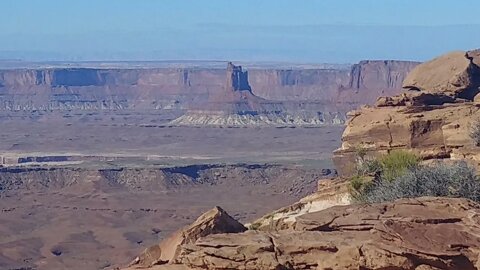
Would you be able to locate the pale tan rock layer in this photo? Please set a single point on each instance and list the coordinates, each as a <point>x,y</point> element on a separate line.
<point>434,119</point>
<point>331,192</point>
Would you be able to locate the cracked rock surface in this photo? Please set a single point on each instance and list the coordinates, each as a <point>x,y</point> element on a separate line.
<point>423,233</point>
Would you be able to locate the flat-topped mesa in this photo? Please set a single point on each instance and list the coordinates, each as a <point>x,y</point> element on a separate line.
<point>432,118</point>
<point>237,97</point>
<point>179,86</point>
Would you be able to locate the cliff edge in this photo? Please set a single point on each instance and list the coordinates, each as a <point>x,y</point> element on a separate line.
<point>433,117</point>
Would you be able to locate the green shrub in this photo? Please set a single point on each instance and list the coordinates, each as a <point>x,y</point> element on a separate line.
<point>368,167</point>
<point>361,152</point>
<point>397,163</point>
<point>359,185</point>
<point>456,180</point>
<point>370,171</point>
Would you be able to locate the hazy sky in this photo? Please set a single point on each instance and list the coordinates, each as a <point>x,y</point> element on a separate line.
<point>263,30</point>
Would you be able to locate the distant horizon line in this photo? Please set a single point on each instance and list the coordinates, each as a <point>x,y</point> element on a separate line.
<point>106,61</point>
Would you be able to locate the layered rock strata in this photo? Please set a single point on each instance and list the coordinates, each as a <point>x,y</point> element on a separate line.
<point>433,117</point>
<point>179,88</point>
<point>423,233</point>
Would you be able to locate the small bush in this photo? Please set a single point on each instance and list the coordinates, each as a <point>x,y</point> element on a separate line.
<point>359,185</point>
<point>456,180</point>
<point>368,167</point>
<point>369,170</point>
<point>397,163</point>
<point>475,132</point>
<point>361,152</point>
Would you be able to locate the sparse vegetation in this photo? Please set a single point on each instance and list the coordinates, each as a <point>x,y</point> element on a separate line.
<point>397,163</point>
<point>456,180</point>
<point>369,170</point>
<point>475,132</point>
<point>399,175</point>
<point>255,226</point>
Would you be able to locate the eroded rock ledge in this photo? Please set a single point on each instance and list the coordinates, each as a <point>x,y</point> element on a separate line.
<point>423,233</point>
<point>433,117</point>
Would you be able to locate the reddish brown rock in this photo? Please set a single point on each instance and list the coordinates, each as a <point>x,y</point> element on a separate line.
<point>237,79</point>
<point>212,222</point>
<point>474,55</point>
<point>452,74</point>
<point>423,233</point>
<point>60,88</point>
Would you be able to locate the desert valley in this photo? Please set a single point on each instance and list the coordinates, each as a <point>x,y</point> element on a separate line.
<point>122,158</point>
<point>239,135</point>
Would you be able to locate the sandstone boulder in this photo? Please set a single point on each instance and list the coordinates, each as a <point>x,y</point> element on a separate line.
<point>423,233</point>
<point>212,222</point>
<point>452,74</point>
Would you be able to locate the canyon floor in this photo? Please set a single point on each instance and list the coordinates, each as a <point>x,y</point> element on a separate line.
<point>135,179</point>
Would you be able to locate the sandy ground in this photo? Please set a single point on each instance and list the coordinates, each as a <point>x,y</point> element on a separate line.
<point>97,224</point>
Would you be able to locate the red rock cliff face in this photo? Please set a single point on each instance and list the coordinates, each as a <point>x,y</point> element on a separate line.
<point>361,84</point>
<point>370,79</point>
<point>310,84</point>
<point>157,88</point>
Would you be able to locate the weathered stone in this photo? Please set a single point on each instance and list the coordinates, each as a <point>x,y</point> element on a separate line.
<point>431,132</point>
<point>250,251</point>
<point>330,192</point>
<point>474,55</point>
<point>451,74</point>
<point>434,120</point>
<point>212,222</point>
<point>423,233</point>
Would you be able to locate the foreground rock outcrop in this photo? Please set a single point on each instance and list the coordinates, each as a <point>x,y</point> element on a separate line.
<point>433,117</point>
<point>423,233</point>
<point>212,222</point>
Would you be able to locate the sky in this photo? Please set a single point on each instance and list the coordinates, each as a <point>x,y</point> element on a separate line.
<point>304,31</point>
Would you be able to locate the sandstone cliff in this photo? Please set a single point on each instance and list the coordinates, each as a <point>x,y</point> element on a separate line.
<point>238,105</point>
<point>179,88</point>
<point>432,118</point>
